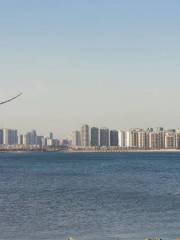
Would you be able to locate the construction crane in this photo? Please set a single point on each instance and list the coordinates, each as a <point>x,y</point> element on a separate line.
<point>11,99</point>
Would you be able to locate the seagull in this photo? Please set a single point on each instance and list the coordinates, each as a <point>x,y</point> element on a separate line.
<point>11,99</point>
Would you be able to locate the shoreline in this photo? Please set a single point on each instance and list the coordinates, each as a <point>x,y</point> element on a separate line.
<point>90,151</point>
<point>126,151</point>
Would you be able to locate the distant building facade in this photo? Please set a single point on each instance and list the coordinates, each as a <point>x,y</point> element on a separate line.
<point>104,137</point>
<point>114,139</point>
<point>170,140</point>
<point>31,138</point>
<point>178,138</point>
<point>1,136</point>
<point>10,137</point>
<point>85,136</point>
<point>94,137</point>
<point>142,139</point>
<point>122,139</point>
<point>76,139</point>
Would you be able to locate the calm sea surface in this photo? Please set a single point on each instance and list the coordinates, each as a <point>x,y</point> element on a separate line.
<point>89,196</point>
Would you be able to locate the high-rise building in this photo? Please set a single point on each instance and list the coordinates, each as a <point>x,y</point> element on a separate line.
<point>142,139</point>
<point>157,138</point>
<point>94,137</point>
<point>56,142</point>
<point>134,138</point>
<point>44,142</point>
<point>40,140</point>
<point>114,141</point>
<point>178,138</point>
<point>85,138</point>
<point>51,135</point>
<point>160,137</point>
<point>34,137</point>
<point>154,142</point>
<point>1,136</point>
<point>122,138</point>
<point>49,142</point>
<point>148,131</point>
<point>127,138</point>
<point>10,137</point>
<point>76,139</point>
<point>31,138</point>
<point>21,139</point>
<point>170,140</point>
<point>104,137</point>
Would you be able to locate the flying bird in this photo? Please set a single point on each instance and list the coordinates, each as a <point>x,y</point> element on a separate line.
<point>11,99</point>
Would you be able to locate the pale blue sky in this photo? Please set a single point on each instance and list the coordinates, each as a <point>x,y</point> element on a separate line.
<point>103,62</point>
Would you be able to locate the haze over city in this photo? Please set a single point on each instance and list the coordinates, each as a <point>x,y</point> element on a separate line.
<point>114,64</point>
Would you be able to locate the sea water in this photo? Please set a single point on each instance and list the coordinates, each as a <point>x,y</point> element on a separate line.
<point>89,196</point>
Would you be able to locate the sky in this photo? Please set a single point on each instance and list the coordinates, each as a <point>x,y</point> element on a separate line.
<point>106,63</point>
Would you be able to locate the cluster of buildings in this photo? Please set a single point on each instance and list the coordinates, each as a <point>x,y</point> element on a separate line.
<point>9,138</point>
<point>94,138</point>
<point>151,138</point>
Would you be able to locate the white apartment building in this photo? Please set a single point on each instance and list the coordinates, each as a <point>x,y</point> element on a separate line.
<point>128,139</point>
<point>122,138</point>
<point>142,139</point>
<point>170,140</point>
<point>132,138</point>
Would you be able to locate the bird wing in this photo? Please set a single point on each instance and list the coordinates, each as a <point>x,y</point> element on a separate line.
<point>11,99</point>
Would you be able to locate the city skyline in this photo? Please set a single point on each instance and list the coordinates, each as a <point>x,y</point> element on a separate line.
<point>134,138</point>
<point>95,138</point>
<point>115,63</point>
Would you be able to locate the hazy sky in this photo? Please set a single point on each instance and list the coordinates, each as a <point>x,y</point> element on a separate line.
<point>113,63</point>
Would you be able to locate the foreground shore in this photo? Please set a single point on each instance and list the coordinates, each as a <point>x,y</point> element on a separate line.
<point>89,150</point>
<point>124,150</point>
